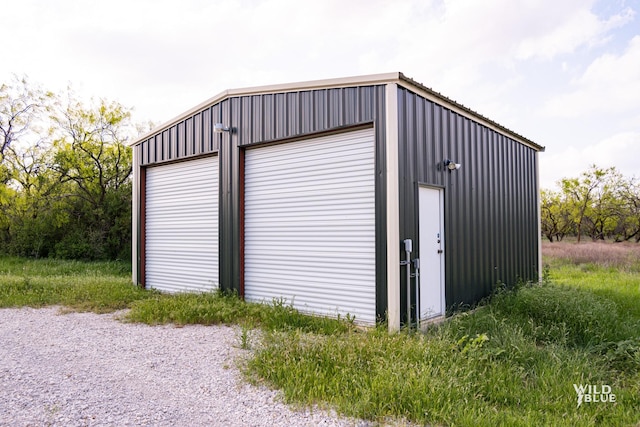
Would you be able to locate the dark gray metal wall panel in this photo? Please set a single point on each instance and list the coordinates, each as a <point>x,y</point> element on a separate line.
<point>306,114</point>
<point>293,104</point>
<point>171,139</point>
<point>197,134</point>
<point>209,143</point>
<point>190,137</point>
<point>228,224</point>
<point>179,141</point>
<point>270,117</point>
<point>188,130</point>
<point>490,203</point>
<point>228,113</point>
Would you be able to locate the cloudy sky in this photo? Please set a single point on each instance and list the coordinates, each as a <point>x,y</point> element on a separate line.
<point>565,74</point>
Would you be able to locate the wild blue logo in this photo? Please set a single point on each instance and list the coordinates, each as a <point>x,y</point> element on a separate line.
<point>594,394</point>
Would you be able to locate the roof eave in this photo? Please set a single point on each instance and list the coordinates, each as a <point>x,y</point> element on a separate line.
<point>429,93</point>
<point>367,80</point>
<point>372,79</point>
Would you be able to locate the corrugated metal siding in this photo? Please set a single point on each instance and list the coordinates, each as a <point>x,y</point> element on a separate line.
<point>182,226</point>
<point>310,224</point>
<point>264,118</point>
<point>490,203</point>
<point>269,117</point>
<point>191,137</point>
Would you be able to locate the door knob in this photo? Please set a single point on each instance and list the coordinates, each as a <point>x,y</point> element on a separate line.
<point>440,251</point>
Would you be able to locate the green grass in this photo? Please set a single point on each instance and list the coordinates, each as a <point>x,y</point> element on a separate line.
<point>512,361</point>
<point>621,287</point>
<point>81,286</point>
<point>106,286</point>
<point>218,308</point>
<point>46,267</point>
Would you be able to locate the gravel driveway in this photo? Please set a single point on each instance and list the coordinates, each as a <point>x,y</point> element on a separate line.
<point>83,369</point>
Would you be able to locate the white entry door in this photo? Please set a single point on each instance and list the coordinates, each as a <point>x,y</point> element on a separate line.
<point>432,299</point>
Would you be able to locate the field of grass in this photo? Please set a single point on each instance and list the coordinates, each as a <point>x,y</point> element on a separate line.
<point>97,286</point>
<point>512,361</point>
<point>104,287</point>
<point>218,308</point>
<point>611,270</point>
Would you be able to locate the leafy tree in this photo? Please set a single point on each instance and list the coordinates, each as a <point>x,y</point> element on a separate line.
<point>606,208</point>
<point>600,203</point>
<point>580,194</point>
<point>21,105</point>
<point>30,206</point>
<point>65,187</point>
<point>95,165</point>
<point>555,216</point>
<point>628,225</point>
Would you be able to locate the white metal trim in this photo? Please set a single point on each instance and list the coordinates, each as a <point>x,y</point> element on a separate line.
<point>135,213</point>
<point>392,208</point>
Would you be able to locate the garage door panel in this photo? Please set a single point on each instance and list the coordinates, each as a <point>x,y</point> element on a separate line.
<point>181,226</point>
<point>350,236</point>
<point>310,224</point>
<point>315,292</point>
<point>311,248</point>
<point>309,153</point>
<point>300,173</point>
<point>169,206</point>
<point>186,249</point>
<point>310,271</point>
<point>194,230</point>
<point>319,189</point>
<point>324,200</point>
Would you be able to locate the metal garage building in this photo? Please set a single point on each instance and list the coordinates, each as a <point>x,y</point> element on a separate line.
<point>371,196</point>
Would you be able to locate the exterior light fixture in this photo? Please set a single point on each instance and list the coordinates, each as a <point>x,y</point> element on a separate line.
<point>219,128</point>
<point>451,165</point>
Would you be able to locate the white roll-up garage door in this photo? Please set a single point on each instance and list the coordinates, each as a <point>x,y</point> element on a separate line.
<point>310,224</point>
<point>181,226</point>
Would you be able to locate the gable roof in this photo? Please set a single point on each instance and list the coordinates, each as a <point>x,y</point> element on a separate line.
<point>367,80</point>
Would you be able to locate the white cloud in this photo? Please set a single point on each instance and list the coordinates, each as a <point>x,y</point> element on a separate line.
<point>610,85</point>
<point>621,150</point>
<point>474,51</point>
<point>502,58</point>
<point>577,28</point>
<point>164,58</point>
